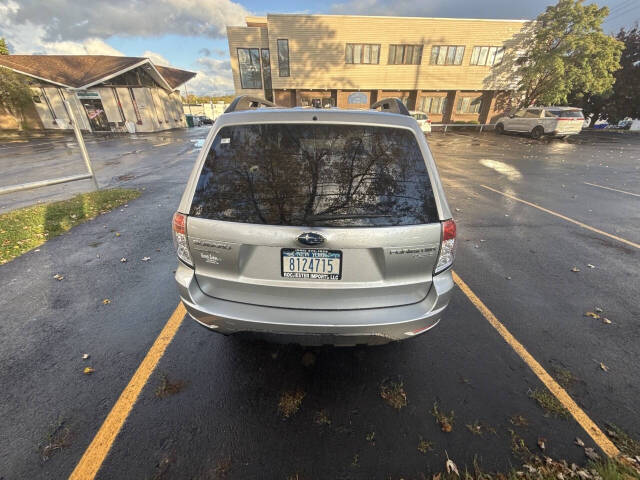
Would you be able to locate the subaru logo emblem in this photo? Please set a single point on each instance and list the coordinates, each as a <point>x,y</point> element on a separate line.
<point>310,238</point>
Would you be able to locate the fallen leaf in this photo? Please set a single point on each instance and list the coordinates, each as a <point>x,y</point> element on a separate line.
<point>123,259</point>
<point>445,426</point>
<point>146,259</point>
<point>450,466</point>
<point>106,301</point>
<point>604,367</point>
<point>598,310</point>
<point>591,453</point>
<point>579,442</point>
<point>530,469</point>
<point>606,320</point>
<point>85,356</point>
<point>590,266</point>
<point>117,234</point>
<point>575,269</point>
<point>592,315</point>
<point>58,277</point>
<point>541,443</point>
<point>88,370</point>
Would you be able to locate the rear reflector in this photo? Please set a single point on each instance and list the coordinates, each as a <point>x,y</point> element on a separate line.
<point>447,246</point>
<point>419,330</point>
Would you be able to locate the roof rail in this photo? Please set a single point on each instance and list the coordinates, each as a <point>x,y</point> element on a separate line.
<point>392,105</point>
<point>247,102</point>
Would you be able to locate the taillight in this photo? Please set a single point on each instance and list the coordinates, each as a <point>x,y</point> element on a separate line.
<point>180,238</point>
<point>447,246</point>
<point>429,121</point>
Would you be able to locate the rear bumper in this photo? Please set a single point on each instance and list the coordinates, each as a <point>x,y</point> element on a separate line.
<point>315,327</point>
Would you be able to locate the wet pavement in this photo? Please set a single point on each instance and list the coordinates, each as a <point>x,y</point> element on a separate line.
<point>216,407</point>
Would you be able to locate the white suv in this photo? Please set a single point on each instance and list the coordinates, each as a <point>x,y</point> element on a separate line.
<point>539,121</point>
<point>423,120</point>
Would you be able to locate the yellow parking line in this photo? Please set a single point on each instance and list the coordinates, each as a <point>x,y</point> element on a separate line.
<point>551,212</point>
<point>560,393</point>
<point>613,189</point>
<point>91,461</point>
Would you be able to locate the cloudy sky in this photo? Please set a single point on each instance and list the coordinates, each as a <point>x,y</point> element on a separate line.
<point>190,34</point>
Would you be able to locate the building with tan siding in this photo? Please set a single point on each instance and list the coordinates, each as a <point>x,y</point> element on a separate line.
<point>453,69</point>
<point>105,93</point>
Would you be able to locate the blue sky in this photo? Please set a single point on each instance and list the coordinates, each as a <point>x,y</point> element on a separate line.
<point>190,34</point>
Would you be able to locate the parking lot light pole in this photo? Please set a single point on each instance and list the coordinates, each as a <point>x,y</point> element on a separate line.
<point>83,148</point>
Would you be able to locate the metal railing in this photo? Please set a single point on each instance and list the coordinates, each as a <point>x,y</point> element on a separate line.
<point>480,126</point>
<point>55,181</point>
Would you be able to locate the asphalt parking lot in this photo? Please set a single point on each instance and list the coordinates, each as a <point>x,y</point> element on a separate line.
<point>548,230</point>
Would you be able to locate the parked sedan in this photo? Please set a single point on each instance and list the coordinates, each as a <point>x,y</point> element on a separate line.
<point>539,121</point>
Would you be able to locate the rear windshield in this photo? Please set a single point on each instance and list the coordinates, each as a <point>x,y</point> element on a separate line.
<point>567,113</point>
<point>315,175</point>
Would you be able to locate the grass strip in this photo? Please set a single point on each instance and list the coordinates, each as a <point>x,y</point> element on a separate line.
<point>26,228</point>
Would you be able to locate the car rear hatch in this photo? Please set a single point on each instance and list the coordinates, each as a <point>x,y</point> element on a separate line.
<point>568,121</point>
<point>314,216</point>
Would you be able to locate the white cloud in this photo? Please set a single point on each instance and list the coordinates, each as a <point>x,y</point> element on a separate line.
<point>27,38</point>
<point>213,78</point>
<point>73,20</point>
<point>156,58</point>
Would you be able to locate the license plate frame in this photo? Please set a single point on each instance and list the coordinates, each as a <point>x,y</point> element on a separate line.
<point>318,253</point>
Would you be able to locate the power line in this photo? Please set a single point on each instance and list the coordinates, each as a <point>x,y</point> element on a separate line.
<point>621,13</point>
<point>616,8</point>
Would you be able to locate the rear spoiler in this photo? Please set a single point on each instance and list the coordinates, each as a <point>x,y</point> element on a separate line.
<point>391,105</point>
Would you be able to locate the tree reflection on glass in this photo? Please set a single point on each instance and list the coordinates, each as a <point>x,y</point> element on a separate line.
<point>315,175</point>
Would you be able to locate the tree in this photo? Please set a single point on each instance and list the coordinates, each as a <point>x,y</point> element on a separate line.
<point>15,93</point>
<point>623,99</point>
<point>567,52</point>
<point>4,50</point>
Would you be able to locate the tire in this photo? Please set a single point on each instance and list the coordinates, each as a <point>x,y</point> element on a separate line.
<point>537,132</point>
<point>499,129</point>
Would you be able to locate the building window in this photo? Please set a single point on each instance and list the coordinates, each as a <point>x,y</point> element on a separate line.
<point>487,55</point>
<point>469,105</point>
<point>362,53</point>
<point>249,63</point>
<point>266,73</point>
<point>135,106</point>
<point>433,104</point>
<point>447,55</point>
<point>405,54</point>
<point>48,102</point>
<point>283,57</point>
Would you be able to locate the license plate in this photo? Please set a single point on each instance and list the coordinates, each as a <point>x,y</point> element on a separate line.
<point>313,264</point>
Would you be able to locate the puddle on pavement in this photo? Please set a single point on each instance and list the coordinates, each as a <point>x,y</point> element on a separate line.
<point>198,142</point>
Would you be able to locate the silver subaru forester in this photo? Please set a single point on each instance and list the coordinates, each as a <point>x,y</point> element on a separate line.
<point>315,226</point>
